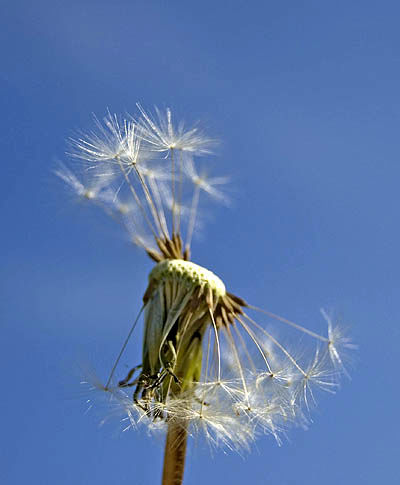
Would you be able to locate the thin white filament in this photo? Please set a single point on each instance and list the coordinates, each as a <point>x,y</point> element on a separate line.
<point>217,342</point>
<point>124,346</point>
<point>280,346</point>
<point>288,322</point>
<point>137,199</point>
<point>159,205</point>
<point>237,358</point>
<point>253,338</point>
<point>150,201</point>
<point>193,213</point>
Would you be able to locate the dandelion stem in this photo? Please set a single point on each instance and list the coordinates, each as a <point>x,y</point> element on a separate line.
<point>175,453</point>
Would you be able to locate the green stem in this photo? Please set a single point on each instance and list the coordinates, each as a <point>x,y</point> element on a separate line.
<point>175,452</point>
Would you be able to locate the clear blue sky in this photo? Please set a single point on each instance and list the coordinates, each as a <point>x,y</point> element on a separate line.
<point>305,98</point>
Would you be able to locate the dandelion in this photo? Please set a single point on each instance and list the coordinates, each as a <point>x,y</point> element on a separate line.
<point>209,366</point>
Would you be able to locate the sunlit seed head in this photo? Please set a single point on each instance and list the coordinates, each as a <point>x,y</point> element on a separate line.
<point>190,273</point>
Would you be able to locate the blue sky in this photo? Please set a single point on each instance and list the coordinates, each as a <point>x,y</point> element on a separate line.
<point>305,98</point>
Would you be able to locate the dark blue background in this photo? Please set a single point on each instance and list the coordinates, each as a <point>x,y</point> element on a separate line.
<point>305,98</point>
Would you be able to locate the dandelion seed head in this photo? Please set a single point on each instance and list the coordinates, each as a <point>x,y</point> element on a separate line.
<point>211,364</point>
<point>188,273</point>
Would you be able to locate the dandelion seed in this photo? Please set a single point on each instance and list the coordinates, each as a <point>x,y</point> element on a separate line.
<point>205,183</point>
<point>208,367</point>
<point>318,375</point>
<point>89,186</point>
<point>339,344</point>
<point>105,143</point>
<point>161,135</point>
